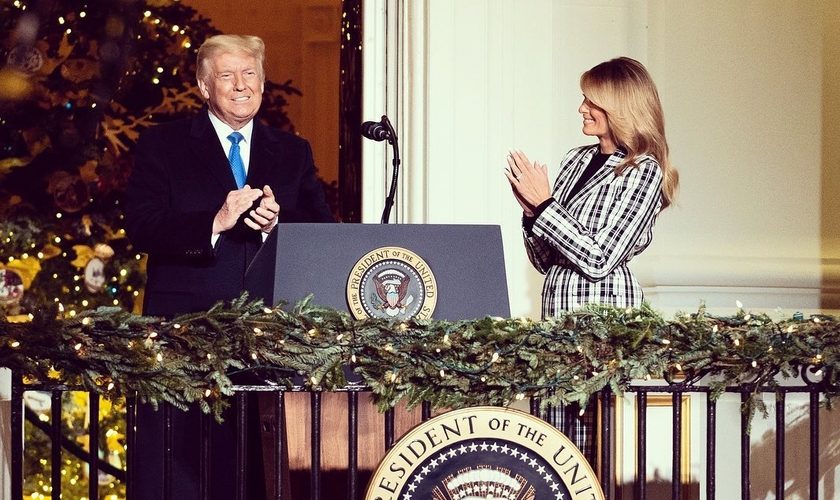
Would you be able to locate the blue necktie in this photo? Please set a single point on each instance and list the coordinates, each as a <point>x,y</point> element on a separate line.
<point>235,159</point>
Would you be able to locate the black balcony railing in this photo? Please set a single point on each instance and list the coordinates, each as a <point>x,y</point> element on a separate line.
<point>354,482</point>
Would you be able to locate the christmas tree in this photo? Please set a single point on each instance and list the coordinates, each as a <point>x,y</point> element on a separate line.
<point>77,86</point>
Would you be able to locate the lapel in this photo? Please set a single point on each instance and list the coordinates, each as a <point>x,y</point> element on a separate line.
<point>205,145</point>
<point>602,176</point>
<point>263,156</point>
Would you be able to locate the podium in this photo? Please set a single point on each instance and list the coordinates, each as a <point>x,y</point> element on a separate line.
<point>458,268</point>
<point>467,262</point>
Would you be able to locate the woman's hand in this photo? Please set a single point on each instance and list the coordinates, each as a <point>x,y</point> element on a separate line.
<point>528,181</point>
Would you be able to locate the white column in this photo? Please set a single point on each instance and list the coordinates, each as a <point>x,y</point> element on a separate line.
<point>5,434</point>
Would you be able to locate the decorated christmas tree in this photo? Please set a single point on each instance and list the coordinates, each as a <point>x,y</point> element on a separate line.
<point>78,86</point>
<point>78,83</point>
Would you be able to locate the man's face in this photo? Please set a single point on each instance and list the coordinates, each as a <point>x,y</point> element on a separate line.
<point>233,88</point>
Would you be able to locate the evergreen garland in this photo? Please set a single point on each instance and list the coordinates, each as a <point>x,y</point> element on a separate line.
<point>199,358</point>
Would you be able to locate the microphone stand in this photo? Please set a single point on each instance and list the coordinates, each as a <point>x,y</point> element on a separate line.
<point>389,200</point>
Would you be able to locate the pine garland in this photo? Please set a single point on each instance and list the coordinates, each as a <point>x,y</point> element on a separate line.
<point>199,358</point>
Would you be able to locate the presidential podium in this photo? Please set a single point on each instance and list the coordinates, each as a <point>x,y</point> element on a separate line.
<point>466,261</point>
<point>439,271</point>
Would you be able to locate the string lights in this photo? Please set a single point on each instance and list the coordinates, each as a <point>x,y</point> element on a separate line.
<point>449,364</point>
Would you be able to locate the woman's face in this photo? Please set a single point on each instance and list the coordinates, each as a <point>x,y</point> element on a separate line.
<point>595,123</point>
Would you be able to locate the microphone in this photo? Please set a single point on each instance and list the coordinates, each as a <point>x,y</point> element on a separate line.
<point>378,131</point>
<point>382,131</point>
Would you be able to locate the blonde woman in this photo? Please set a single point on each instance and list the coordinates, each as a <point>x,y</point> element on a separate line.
<point>600,213</point>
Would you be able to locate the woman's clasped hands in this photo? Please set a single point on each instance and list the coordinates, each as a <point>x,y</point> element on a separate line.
<point>529,181</point>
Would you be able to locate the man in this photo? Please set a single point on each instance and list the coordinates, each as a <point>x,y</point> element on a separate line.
<point>201,228</point>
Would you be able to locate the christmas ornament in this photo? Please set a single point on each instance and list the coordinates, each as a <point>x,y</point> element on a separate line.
<point>26,269</point>
<point>11,291</point>
<point>25,58</point>
<point>95,275</point>
<point>94,261</point>
<point>69,192</point>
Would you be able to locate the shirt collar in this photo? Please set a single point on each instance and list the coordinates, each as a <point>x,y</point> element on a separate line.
<point>223,129</point>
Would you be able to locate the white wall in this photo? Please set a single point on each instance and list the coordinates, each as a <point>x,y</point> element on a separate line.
<point>740,84</point>
<point>478,78</point>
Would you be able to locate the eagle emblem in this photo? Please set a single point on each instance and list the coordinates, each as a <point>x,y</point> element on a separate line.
<point>391,283</point>
<point>392,288</point>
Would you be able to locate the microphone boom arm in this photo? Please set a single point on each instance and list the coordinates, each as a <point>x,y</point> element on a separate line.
<point>389,200</point>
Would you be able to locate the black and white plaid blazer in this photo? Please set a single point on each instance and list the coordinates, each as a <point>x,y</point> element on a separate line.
<point>583,243</point>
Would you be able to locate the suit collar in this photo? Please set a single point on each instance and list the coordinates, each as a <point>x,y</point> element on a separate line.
<point>223,130</point>
<point>263,155</point>
<point>204,143</point>
<point>601,176</point>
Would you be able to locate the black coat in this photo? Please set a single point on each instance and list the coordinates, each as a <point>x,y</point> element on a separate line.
<point>180,180</point>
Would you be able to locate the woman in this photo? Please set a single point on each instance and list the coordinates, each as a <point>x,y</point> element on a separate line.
<point>601,212</point>
<point>605,200</point>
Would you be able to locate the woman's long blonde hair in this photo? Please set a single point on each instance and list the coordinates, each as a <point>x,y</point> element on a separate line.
<point>624,90</point>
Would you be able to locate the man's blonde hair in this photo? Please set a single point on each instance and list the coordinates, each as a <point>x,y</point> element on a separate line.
<point>220,44</point>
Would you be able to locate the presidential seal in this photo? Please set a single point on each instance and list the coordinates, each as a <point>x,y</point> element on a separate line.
<point>391,282</point>
<point>487,453</point>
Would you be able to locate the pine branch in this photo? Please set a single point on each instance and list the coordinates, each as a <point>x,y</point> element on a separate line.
<point>489,361</point>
